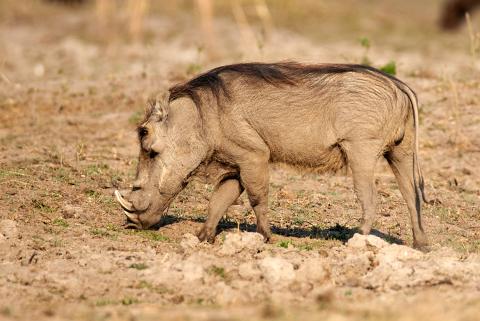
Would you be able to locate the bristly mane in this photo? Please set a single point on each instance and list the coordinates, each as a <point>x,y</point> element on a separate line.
<point>276,74</point>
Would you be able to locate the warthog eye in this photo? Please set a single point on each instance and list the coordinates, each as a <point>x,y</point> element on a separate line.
<point>152,154</point>
<point>142,132</point>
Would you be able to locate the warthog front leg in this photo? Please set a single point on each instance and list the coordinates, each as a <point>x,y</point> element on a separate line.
<point>225,194</point>
<point>254,175</point>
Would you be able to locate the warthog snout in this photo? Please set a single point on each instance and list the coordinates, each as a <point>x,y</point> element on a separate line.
<point>128,209</point>
<point>140,212</point>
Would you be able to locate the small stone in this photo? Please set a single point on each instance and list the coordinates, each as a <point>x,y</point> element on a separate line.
<point>359,241</point>
<point>247,242</point>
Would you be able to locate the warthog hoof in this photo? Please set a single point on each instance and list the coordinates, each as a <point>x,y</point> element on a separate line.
<point>421,244</point>
<point>266,233</point>
<point>365,229</point>
<point>207,234</point>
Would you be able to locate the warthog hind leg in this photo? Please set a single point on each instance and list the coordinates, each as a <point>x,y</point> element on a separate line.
<point>401,162</point>
<point>362,157</point>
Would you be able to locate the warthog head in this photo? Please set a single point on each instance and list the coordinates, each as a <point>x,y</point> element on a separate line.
<point>172,146</point>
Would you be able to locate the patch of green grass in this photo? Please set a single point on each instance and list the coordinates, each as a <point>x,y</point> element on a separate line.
<point>124,301</point>
<point>64,175</point>
<point>389,68</point>
<point>147,285</point>
<point>217,270</point>
<point>112,227</point>
<point>92,193</point>
<point>60,222</point>
<point>103,200</point>
<point>6,311</point>
<point>129,301</point>
<point>96,169</point>
<point>108,201</point>
<point>305,247</point>
<point>298,220</point>
<point>138,266</point>
<point>144,285</point>
<point>105,302</point>
<point>193,69</point>
<point>39,204</point>
<point>116,179</point>
<point>365,43</point>
<point>151,235</point>
<point>103,233</point>
<point>284,243</point>
<point>57,243</point>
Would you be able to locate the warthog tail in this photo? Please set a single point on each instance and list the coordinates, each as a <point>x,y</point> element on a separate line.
<point>418,176</point>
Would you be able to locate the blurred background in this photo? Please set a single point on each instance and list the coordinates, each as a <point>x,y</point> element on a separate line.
<point>93,38</point>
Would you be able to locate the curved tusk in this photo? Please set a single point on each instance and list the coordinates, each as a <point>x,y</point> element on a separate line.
<point>132,217</point>
<point>126,205</point>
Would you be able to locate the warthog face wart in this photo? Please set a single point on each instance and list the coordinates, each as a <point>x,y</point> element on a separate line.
<point>171,148</point>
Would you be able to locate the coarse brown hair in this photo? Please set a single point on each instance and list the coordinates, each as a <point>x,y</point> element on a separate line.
<point>276,74</point>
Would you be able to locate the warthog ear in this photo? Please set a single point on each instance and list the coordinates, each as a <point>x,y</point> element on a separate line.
<point>157,109</point>
<point>160,110</point>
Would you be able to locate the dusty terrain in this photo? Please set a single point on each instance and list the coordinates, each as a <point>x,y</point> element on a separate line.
<point>71,91</point>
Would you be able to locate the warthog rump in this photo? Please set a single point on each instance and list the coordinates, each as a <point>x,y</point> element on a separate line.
<point>229,123</point>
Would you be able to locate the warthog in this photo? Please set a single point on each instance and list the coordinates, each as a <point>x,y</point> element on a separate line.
<point>229,123</point>
<point>453,12</point>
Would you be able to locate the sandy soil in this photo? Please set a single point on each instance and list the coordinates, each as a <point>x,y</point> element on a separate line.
<point>71,92</point>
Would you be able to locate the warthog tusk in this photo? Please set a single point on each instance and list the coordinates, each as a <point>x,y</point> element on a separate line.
<point>126,205</point>
<point>133,218</point>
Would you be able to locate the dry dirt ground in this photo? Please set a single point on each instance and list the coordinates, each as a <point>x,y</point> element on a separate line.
<point>71,90</point>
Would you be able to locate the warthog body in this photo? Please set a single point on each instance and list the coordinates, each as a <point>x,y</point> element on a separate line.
<point>231,122</point>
